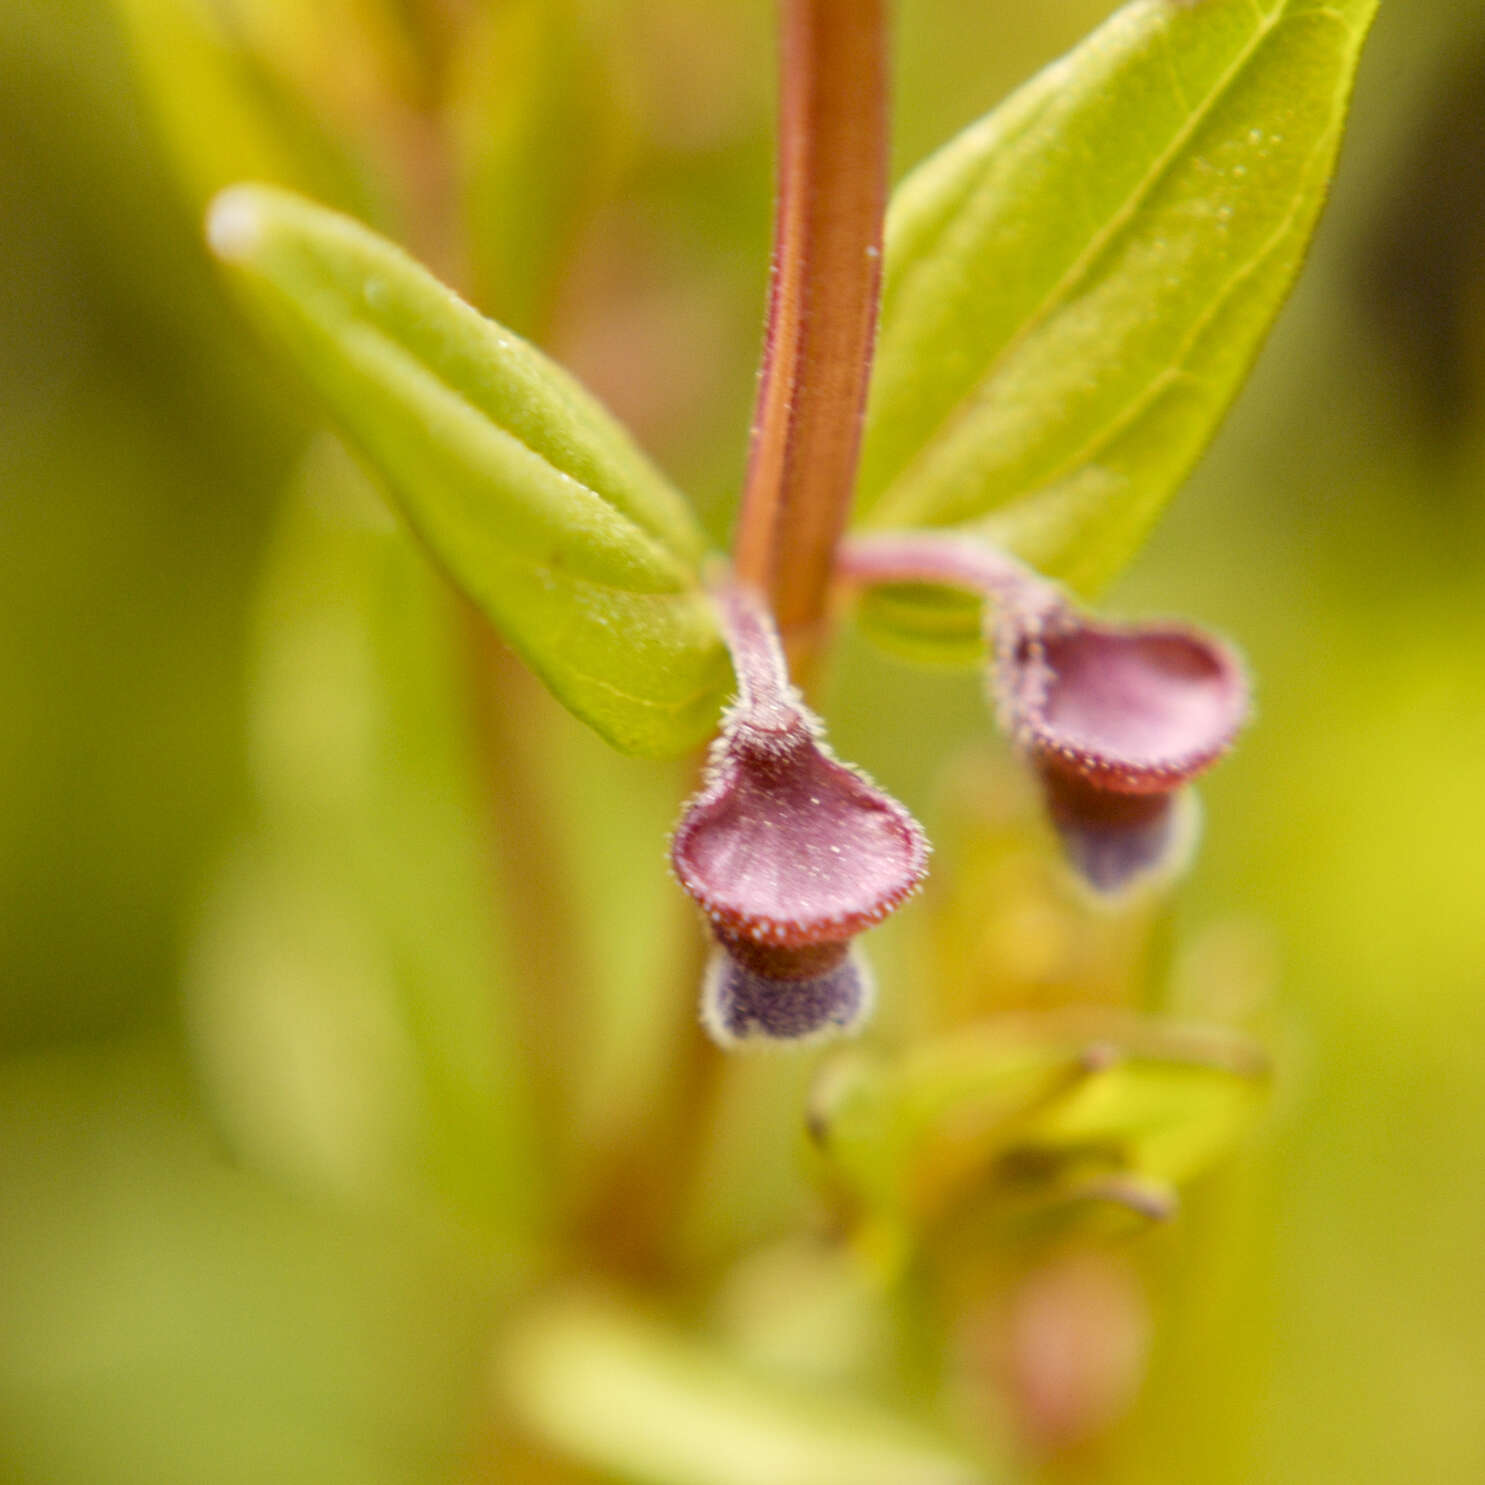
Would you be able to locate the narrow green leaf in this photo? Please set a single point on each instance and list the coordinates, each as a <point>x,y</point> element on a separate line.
<point>1077,285</point>
<point>626,1396</point>
<point>530,495</point>
<point>1090,1094</point>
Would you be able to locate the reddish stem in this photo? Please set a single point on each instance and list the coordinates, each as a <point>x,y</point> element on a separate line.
<point>832,191</point>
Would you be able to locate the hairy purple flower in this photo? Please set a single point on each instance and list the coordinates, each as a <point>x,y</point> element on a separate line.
<point>1115,719</point>
<point>790,853</point>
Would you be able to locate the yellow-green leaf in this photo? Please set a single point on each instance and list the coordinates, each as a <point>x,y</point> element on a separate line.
<point>1076,286</point>
<point>1038,1106</point>
<point>636,1401</point>
<point>532,498</point>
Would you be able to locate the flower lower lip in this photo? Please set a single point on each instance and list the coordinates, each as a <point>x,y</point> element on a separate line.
<point>741,1005</point>
<point>1125,839</point>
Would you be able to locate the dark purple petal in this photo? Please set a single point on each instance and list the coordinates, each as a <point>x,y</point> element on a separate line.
<point>740,1004</point>
<point>1113,840</point>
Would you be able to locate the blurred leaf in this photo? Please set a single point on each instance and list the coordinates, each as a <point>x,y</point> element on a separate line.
<point>224,113</point>
<point>532,497</point>
<point>172,1320</point>
<point>1038,1106</point>
<point>1076,286</point>
<point>540,128</point>
<point>349,993</point>
<point>357,62</point>
<point>624,1395</point>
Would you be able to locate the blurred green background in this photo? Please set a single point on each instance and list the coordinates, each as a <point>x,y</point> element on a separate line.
<point>167,1314</point>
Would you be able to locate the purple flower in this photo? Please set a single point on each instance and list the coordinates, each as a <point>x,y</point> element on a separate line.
<point>790,853</point>
<point>1117,720</point>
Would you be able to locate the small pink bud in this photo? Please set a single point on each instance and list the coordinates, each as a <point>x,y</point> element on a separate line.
<point>789,852</point>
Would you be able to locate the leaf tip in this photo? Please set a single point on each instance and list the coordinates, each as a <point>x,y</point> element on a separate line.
<point>234,223</point>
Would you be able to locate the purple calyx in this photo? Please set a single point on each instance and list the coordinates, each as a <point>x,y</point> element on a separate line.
<point>1117,721</point>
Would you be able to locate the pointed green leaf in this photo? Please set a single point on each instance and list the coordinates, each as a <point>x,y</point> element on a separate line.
<point>1038,1105</point>
<point>1076,286</point>
<point>534,500</point>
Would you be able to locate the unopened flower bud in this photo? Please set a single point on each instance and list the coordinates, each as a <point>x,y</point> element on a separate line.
<point>790,853</point>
